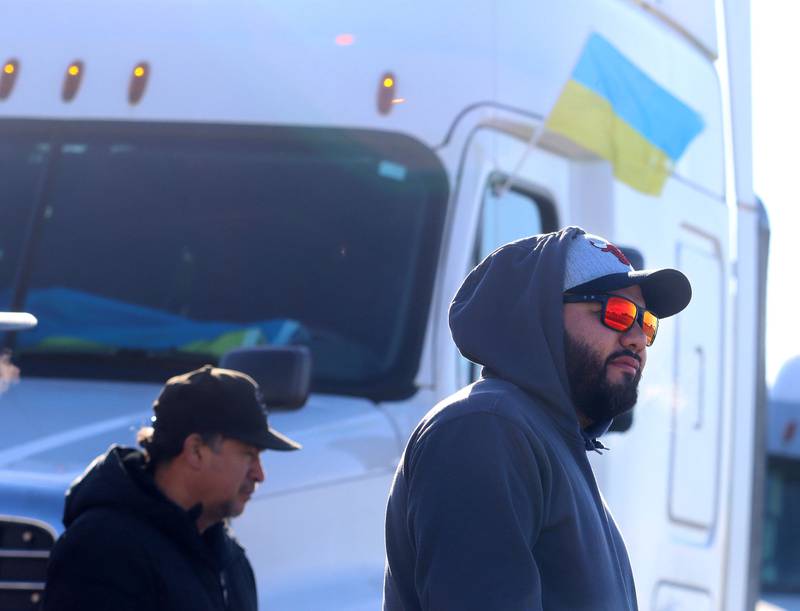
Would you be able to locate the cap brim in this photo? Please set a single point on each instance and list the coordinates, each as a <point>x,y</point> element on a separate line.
<point>279,441</point>
<point>666,291</point>
<point>270,440</point>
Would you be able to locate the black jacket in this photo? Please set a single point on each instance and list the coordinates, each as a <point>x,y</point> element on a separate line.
<point>128,548</point>
<point>494,506</point>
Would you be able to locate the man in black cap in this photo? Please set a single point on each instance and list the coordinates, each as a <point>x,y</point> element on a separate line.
<point>146,529</point>
<point>494,505</point>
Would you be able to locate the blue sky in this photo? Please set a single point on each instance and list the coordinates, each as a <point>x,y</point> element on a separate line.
<point>776,166</point>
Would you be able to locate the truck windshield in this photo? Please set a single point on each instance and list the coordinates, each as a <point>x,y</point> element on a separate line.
<point>147,249</point>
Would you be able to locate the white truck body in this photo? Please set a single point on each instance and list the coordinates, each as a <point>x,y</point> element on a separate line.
<point>473,85</point>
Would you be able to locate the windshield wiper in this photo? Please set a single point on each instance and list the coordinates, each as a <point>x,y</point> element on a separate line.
<point>32,233</point>
<point>123,364</point>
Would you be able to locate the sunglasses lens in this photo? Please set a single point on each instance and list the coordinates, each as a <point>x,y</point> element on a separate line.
<point>620,314</point>
<point>650,327</point>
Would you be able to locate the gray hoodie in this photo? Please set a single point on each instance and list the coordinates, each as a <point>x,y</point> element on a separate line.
<point>494,506</point>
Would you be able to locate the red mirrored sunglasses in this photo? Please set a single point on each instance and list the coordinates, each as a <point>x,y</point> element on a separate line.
<point>619,313</point>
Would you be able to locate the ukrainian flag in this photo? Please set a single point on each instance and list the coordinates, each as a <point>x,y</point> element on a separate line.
<point>616,111</point>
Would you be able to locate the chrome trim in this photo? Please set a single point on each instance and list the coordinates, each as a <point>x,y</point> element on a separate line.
<point>22,585</point>
<point>32,522</point>
<point>24,553</point>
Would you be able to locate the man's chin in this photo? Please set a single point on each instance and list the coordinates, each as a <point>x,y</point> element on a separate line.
<point>622,394</point>
<point>619,380</point>
<point>234,509</point>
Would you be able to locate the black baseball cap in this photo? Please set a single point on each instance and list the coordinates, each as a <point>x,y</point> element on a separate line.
<point>216,400</point>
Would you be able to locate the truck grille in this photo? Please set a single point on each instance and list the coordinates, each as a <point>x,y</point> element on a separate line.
<point>24,551</point>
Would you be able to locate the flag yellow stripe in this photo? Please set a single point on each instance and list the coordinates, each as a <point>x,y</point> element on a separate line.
<point>589,119</point>
<point>220,345</point>
<point>216,347</point>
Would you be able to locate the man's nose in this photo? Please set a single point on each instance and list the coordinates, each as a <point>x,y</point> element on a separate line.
<point>634,339</point>
<point>257,470</point>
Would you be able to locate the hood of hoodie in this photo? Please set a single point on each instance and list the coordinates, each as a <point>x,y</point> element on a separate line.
<point>508,316</point>
<point>118,480</point>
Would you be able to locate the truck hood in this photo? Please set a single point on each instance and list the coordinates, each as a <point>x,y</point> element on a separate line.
<point>54,428</point>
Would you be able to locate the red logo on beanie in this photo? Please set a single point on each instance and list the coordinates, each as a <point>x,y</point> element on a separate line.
<point>609,247</point>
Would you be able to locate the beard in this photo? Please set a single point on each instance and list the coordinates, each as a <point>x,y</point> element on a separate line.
<point>233,507</point>
<point>593,395</point>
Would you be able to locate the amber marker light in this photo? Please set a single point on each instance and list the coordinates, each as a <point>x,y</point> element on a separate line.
<point>386,93</point>
<point>8,78</point>
<point>138,82</point>
<point>72,81</point>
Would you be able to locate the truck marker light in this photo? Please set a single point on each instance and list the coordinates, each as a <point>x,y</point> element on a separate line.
<point>138,83</point>
<point>345,40</point>
<point>72,81</point>
<point>386,90</point>
<point>8,78</point>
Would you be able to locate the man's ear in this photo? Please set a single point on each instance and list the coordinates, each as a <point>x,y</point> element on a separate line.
<point>194,451</point>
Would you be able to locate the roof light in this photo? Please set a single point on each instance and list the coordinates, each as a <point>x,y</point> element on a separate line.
<point>72,81</point>
<point>386,89</point>
<point>138,83</point>
<point>345,40</point>
<point>8,78</point>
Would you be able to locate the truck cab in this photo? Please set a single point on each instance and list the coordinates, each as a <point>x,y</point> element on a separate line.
<point>182,179</point>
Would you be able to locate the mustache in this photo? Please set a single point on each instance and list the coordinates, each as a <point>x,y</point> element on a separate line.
<point>627,353</point>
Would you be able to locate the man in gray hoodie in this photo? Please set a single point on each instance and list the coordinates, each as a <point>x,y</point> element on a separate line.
<point>494,506</point>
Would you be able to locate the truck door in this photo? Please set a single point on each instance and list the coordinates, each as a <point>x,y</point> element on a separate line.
<point>697,404</point>
<point>498,200</point>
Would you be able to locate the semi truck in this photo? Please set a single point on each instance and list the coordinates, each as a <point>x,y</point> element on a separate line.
<point>182,179</point>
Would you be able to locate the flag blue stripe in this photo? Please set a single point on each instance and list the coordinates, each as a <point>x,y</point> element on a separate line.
<point>638,100</point>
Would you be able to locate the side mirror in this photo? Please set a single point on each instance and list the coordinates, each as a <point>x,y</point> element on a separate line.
<point>625,421</point>
<point>283,373</point>
<point>17,321</point>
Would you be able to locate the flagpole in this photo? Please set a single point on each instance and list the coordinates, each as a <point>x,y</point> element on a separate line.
<point>500,189</point>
